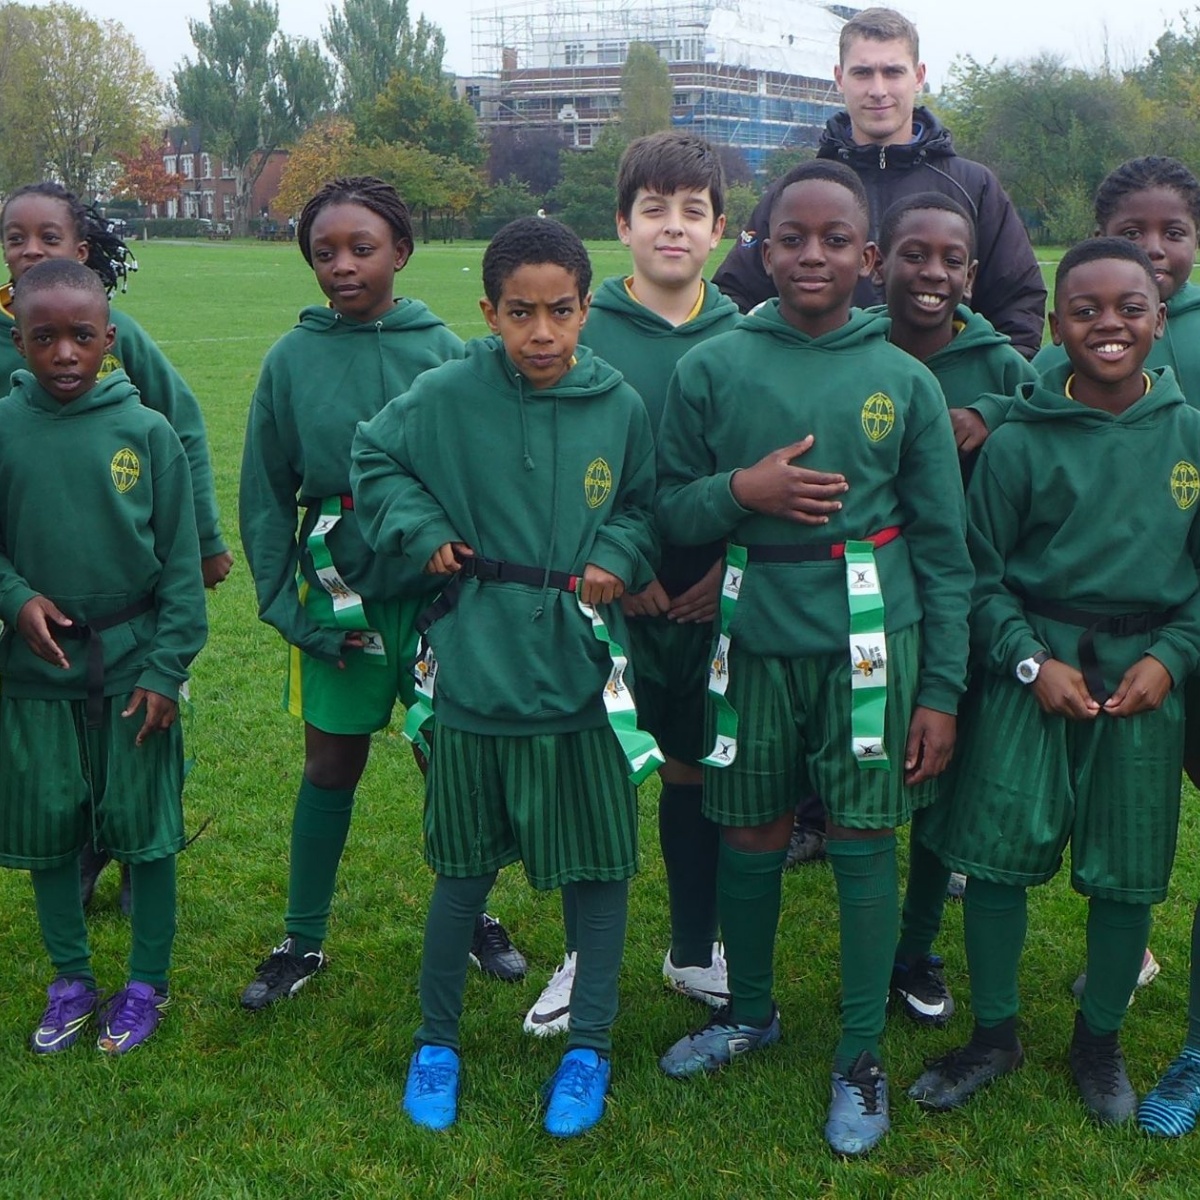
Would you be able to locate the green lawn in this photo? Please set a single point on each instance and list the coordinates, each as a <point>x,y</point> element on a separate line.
<point>303,1101</point>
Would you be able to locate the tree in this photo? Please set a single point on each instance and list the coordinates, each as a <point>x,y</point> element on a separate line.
<point>324,150</point>
<point>144,178</point>
<point>586,196</point>
<point>372,40</point>
<point>781,161</point>
<point>530,154</point>
<point>432,186</point>
<point>740,202</point>
<point>1170,81</point>
<point>76,91</point>
<point>251,89</point>
<point>423,114</point>
<point>646,92</point>
<point>503,203</point>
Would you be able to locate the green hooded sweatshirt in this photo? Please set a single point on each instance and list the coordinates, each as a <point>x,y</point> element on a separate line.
<point>879,418</point>
<point>554,478</point>
<point>645,348</point>
<point>317,382</point>
<point>1052,485</point>
<point>162,389</point>
<point>1178,348</point>
<point>95,513</point>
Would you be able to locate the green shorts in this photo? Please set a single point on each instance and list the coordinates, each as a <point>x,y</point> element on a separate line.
<point>359,698</point>
<point>670,664</point>
<point>560,803</point>
<point>794,735</point>
<point>1027,783</point>
<point>61,784</point>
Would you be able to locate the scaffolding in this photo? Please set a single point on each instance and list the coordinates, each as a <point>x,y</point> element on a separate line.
<point>747,73</point>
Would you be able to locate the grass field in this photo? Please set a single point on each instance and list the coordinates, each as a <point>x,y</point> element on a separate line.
<point>303,1100</point>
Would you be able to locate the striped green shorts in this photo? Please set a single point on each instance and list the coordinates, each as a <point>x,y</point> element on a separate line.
<point>1027,783</point>
<point>57,777</point>
<point>794,736</point>
<point>561,803</point>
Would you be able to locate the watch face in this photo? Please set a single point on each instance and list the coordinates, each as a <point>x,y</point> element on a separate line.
<point>1027,670</point>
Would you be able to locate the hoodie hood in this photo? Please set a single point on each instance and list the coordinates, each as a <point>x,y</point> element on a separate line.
<point>931,139</point>
<point>613,297</point>
<point>404,314</point>
<point>862,329</point>
<point>108,392</point>
<point>590,376</point>
<point>1046,399</point>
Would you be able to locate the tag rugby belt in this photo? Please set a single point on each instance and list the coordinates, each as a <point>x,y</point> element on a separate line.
<point>90,632</point>
<point>491,570</point>
<point>1120,625</point>
<point>796,552</point>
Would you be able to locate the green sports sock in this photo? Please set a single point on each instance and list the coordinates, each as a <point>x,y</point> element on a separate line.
<point>453,907</point>
<point>603,913</point>
<point>1193,1030</point>
<point>570,909</point>
<point>689,849</point>
<point>748,891</point>
<point>868,906</point>
<point>60,915</point>
<point>152,887</point>
<point>995,918</point>
<point>924,899</point>
<point>319,829</point>
<point>1117,934</point>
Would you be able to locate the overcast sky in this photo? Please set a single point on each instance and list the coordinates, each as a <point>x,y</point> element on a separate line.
<point>1078,29</point>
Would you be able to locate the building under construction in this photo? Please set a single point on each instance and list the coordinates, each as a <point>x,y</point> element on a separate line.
<point>755,74</point>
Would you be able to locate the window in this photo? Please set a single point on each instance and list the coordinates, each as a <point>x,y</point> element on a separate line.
<point>209,197</point>
<point>227,206</point>
<point>206,166</point>
<point>186,166</point>
<point>226,170</point>
<point>170,164</point>
<point>611,52</point>
<point>573,52</point>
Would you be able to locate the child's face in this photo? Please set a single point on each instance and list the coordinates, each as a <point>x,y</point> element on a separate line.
<point>670,235</point>
<point>1159,220</point>
<point>63,335</point>
<point>355,255</point>
<point>538,317</point>
<point>817,253</point>
<point>929,270</point>
<point>1106,316</point>
<point>36,228</point>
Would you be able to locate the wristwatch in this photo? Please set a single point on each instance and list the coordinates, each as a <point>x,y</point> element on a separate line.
<point>1028,668</point>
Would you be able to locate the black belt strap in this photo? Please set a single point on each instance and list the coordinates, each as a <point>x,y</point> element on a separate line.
<point>788,552</point>
<point>1118,625</point>
<point>491,570</point>
<point>90,632</point>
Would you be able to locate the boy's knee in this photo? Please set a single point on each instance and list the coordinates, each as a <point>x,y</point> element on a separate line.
<point>759,839</point>
<point>335,761</point>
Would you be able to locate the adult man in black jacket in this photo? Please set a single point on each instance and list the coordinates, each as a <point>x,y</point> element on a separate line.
<point>898,149</point>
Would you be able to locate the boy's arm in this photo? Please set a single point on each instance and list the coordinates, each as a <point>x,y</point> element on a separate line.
<point>163,389</point>
<point>267,515</point>
<point>1177,645</point>
<point>396,513</point>
<point>180,626</point>
<point>930,492</point>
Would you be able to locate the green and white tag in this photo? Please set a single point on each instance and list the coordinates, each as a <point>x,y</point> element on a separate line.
<point>724,749</point>
<point>348,612</point>
<point>642,755</point>
<point>419,719</point>
<point>868,657</point>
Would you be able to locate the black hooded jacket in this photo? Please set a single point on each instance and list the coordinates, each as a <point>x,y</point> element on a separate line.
<point>1008,289</point>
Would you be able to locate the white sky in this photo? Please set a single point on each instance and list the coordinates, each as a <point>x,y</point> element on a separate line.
<point>1080,30</point>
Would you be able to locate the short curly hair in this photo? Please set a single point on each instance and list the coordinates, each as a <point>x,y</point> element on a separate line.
<point>530,240</point>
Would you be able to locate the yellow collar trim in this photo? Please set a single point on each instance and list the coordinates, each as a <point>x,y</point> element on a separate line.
<point>1145,391</point>
<point>6,296</point>
<point>695,307</point>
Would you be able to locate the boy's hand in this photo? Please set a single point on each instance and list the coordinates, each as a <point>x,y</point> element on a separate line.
<point>34,623</point>
<point>775,487</point>
<point>930,745</point>
<point>698,605</point>
<point>1062,691</point>
<point>652,601</point>
<point>1143,689</point>
<point>216,568</point>
<point>599,586</point>
<point>352,641</point>
<point>160,712</point>
<point>970,432</point>
<point>448,558</point>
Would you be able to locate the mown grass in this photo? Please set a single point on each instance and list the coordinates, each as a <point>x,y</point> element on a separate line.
<point>302,1101</point>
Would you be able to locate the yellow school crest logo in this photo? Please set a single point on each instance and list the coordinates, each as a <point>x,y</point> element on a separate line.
<point>108,364</point>
<point>1185,484</point>
<point>878,416</point>
<point>597,482</point>
<point>126,469</point>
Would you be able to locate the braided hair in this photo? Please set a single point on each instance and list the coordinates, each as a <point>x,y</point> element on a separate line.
<point>372,193</point>
<point>108,255</point>
<point>1141,174</point>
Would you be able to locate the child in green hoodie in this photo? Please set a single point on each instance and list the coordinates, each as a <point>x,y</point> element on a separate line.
<point>842,649</point>
<point>927,268</point>
<point>335,602</point>
<point>102,598</point>
<point>1075,732</point>
<point>549,526</point>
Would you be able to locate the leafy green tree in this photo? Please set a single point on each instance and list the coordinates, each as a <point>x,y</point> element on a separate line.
<point>646,92</point>
<point>372,40</point>
<point>740,199</point>
<point>1170,81</point>
<point>423,114</point>
<point>780,162</point>
<point>530,154</point>
<point>586,195</point>
<point>251,89</point>
<point>435,188</point>
<point>504,202</point>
